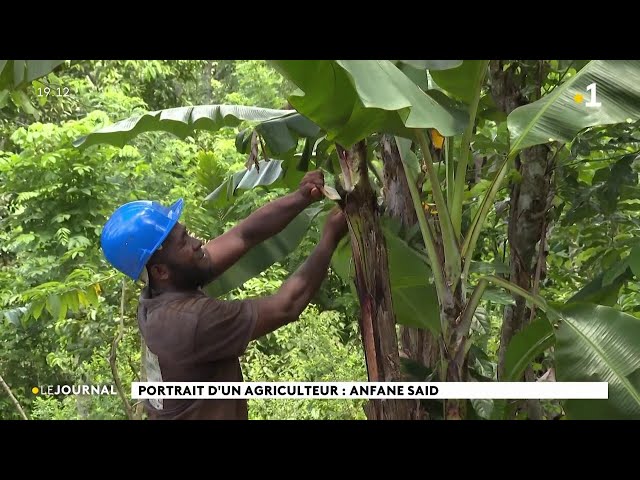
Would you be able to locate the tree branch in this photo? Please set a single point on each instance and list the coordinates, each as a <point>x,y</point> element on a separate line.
<point>13,399</point>
<point>113,354</point>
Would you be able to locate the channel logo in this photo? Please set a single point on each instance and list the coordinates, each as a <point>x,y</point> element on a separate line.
<point>47,390</point>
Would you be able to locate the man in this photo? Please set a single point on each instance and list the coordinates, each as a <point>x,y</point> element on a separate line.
<point>190,336</point>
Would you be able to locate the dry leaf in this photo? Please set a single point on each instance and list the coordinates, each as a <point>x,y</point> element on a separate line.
<point>330,193</point>
<point>253,154</point>
<point>437,139</point>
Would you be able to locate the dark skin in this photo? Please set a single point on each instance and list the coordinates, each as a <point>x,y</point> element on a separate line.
<point>185,264</point>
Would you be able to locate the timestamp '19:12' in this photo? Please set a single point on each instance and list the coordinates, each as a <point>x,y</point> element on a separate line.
<point>61,92</point>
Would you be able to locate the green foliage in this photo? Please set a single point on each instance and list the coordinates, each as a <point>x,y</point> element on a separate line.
<point>414,297</point>
<point>558,116</point>
<point>312,352</point>
<point>17,73</point>
<point>59,300</point>
<point>308,350</point>
<point>525,346</point>
<point>257,84</point>
<point>460,80</point>
<point>351,99</point>
<point>94,371</point>
<point>158,83</point>
<point>597,225</point>
<point>180,121</point>
<point>595,343</point>
<point>263,255</point>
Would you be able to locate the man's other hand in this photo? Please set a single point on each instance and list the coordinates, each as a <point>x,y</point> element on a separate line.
<point>311,185</point>
<point>335,226</point>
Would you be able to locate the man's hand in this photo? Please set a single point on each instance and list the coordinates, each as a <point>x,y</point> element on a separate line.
<point>311,185</point>
<point>335,226</point>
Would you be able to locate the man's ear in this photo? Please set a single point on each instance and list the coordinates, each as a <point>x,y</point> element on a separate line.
<point>159,271</point>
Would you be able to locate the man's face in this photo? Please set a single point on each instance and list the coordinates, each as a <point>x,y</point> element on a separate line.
<point>186,261</point>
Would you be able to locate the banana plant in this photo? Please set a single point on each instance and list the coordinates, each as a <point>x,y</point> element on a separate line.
<point>593,343</point>
<point>348,103</point>
<point>352,99</point>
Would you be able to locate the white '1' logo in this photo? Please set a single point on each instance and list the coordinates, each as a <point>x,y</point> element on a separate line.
<point>592,103</point>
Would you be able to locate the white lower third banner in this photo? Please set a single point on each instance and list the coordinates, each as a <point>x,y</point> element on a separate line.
<point>371,390</point>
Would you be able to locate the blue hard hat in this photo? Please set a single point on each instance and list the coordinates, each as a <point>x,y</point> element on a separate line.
<point>135,231</point>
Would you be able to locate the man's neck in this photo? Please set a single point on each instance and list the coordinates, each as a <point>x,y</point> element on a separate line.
<point>159,290</point>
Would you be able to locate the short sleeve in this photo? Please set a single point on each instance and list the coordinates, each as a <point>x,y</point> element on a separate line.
<point>224,329</point>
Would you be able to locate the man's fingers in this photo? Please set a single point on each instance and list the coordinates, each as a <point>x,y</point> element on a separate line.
<point>316,176</point>
<point>313,184</point>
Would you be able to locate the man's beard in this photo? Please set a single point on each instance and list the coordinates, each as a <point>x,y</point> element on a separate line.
<point>188,278</point>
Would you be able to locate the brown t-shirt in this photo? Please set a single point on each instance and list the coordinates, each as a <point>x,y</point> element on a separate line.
<point>192,337</point>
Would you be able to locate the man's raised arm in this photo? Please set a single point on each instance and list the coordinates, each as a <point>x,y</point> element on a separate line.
<point>262,224</point>
<point>296,292</point>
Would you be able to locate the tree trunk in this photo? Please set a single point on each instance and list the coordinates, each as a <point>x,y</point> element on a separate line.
<point>377,320</point>
<point>455,354</point>
<point>207,92</point>
<point>529,204</point>
<point>417,344</point>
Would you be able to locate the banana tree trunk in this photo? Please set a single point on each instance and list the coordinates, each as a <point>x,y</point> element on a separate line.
<point>417,344</point>
<point>456,355</point>
<point>377,320</point>
<point>449,351</point>
<point>529,203</point>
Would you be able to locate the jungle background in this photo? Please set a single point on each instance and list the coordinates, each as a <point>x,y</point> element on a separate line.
<point>67,317</point>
